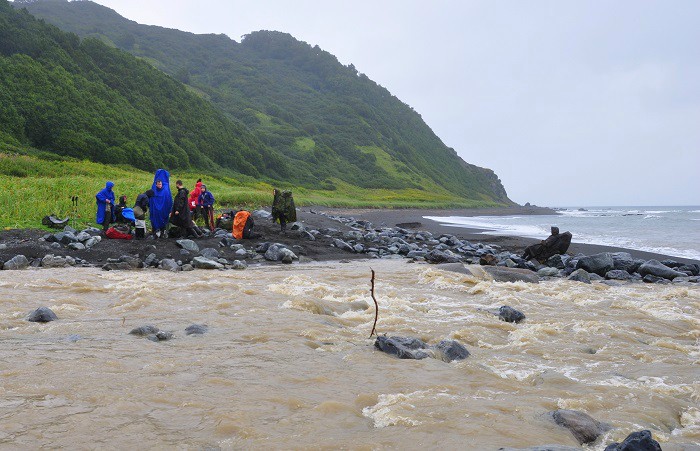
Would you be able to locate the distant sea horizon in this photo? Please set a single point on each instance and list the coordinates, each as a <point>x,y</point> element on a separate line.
<point>667,230</point>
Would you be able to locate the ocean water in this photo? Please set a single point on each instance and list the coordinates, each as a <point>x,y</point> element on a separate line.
<point>288,362</point>
<point>671,231</point>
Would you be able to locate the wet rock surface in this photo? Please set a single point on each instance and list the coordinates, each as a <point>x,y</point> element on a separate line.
<point>584,428</point>
<point>636,441</point>
<point>42,315</point>
<point>413,348</point>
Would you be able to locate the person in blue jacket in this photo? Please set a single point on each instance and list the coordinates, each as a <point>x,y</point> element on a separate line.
<point>206,205</point>
<point>160,203</point>
<point>105,206</point>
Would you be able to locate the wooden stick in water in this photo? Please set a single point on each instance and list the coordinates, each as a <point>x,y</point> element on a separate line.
<point>376,307</point>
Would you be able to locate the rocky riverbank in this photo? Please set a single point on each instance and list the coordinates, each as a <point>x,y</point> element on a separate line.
<point>325,235</point>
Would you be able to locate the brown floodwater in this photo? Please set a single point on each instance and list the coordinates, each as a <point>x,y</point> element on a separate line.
<point>287,362</point>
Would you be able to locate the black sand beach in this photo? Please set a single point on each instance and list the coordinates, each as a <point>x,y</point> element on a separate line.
<point>27,242</point>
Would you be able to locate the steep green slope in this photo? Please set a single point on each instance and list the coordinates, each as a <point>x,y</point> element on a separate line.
<point>331,123</point>
<point>88,100</point>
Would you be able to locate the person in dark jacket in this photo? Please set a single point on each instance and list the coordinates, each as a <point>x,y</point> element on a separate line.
<point>105,206</point>
<point>181,215</point>
<point>118,210</point>
<point>206,206</point>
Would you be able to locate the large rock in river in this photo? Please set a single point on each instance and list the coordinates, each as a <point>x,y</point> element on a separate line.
<point>42,315</point>
<point>584,428</point>
<point>449,350</point>
<point>510,315</point>
<point>402,347</point>
<point>636,441</point>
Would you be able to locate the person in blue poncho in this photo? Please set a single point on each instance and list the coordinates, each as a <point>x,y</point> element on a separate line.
<point>105,206</point>
<point>160,203</point>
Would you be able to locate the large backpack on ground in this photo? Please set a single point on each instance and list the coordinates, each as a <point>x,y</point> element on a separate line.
<point>116,234</point>
<point>243,225</point>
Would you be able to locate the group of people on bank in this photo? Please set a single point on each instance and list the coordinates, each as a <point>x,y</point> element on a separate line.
<point>159,205</point>
<point>182,211</point>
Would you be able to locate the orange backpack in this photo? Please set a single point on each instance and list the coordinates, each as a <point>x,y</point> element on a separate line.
<point>239,223</point>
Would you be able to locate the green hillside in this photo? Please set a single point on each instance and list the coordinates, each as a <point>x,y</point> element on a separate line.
<point>308,119</point>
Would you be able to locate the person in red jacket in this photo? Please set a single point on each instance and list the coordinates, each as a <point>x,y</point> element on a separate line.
<point>194,195</point>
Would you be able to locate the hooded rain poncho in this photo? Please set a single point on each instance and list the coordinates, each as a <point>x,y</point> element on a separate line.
<point>101,197</point>
<point>162,201</point>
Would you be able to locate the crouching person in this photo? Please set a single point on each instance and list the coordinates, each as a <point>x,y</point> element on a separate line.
<point>243,226</point>
<point>140,210</point>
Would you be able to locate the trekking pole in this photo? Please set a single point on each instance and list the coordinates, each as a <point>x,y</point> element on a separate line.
<point>74,209</point>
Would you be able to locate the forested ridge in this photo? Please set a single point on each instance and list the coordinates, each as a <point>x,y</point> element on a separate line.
<point>282,109</point>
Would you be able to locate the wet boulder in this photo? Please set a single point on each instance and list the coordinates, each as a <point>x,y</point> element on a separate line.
<point>287,256</point>
<point>116,266</point>
<point>580,275</point>
<point>597,263</point>
<point>450,350</point>
<point>584,428</point>
<point>276,252</point>
<point>658,269</point>
<point>66,237</point>
<point>650,278</point>
<point>196,329</point>
<point>618,274</point>
<point>151,260</point>
<point>210,253</point>
<point>83,237</point>
<point>161,335</point>
<point>205,263</point>
<point>262,214</point>
<point>239,265</point>
<point>343,246</point>
<point>142,331</point>
<point>505,274</point>
<point>693,269</point>
<point>307,235</point>
<point>557,261</point>
<point>15,263</point>
<point>548,272</point>
<point>625,262</point>
<point>488,260</point>
<point>188,245</point>
<point>510,315</point>
<point>169,264</point>
<point>402,347</point>
<point>51,261</point>
<point>438,256</point>
<point>42,315</point>
<point>636,441</point>
<point>133,262</point>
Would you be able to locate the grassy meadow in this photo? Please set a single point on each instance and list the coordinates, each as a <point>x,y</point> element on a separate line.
<point>32,187</point>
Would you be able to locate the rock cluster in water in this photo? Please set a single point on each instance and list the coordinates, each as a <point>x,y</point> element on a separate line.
<point>413,348</point>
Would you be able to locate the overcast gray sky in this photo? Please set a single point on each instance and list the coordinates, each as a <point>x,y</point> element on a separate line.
<point>570,103</point>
